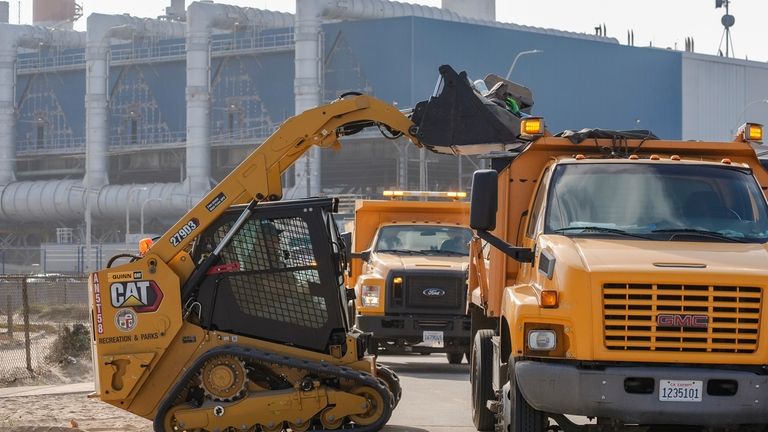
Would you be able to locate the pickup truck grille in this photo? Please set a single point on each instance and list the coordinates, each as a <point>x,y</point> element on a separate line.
<point>683,318</point>
<point>428,292</point>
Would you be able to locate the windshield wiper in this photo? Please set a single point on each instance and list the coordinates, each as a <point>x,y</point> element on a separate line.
<point>444,252</point>
<point>403,251</point>
<point>699,232</point>
<point>602,230</point>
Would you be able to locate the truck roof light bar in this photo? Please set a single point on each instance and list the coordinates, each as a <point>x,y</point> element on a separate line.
<point>395,194</point>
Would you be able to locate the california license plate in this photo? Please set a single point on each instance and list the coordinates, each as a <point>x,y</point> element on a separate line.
<point>433,339</point>
<point>680,391</point>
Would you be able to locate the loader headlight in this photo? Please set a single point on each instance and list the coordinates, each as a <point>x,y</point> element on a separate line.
<point>542,340</point>
<point>370,295</point>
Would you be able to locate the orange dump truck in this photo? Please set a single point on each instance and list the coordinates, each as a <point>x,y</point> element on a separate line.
<point>620,277</point>
<point>409,273</point>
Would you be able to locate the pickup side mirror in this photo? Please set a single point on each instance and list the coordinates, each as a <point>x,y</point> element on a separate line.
<point>482,212</point>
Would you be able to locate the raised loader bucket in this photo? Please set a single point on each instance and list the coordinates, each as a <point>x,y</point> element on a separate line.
<point>461,120</point>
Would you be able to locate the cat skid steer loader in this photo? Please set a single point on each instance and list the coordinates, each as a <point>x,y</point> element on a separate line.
<point>235,319</point>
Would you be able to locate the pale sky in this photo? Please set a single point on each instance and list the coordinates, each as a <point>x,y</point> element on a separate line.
<point>663,23</point>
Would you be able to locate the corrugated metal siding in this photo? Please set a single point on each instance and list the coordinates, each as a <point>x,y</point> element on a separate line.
<point>576,83</point>
<point>719,94</point>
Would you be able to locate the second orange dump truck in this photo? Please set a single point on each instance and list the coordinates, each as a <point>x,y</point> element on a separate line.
<point>410,280</point>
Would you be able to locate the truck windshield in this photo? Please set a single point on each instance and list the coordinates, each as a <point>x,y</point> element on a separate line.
<point>423,239</point>
<point>657,202</point>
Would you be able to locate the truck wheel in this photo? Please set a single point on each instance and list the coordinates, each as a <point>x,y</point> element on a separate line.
<point>480,377</point>
<point>455,357</point>
<point>524,418</point>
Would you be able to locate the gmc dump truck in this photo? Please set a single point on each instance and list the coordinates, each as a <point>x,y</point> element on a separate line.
<point>236,317</point>
<point>619,276</point>
<point>410,282</point>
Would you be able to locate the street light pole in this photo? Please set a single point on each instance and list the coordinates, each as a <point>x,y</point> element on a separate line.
<point>521,53</point>
<point>744,111</point>
<point>142,211</point>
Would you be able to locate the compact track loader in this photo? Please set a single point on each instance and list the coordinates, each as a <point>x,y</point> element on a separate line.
<point>235,319</point>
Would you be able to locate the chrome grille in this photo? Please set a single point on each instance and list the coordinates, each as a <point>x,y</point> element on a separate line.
<point>631,310</point>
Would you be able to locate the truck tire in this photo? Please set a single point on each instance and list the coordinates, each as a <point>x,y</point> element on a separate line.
<point>454,357</point>
<point>524,418</point>
<point>480,378</point>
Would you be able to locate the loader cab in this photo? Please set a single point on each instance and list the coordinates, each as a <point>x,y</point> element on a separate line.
<point>280,278</point>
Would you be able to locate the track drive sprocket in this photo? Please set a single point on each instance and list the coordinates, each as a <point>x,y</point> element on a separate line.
<point>223,377</point>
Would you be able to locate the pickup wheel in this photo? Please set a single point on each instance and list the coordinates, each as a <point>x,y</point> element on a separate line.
<point>480,377</point>
<point>523,417</point>
<point>454,357</point>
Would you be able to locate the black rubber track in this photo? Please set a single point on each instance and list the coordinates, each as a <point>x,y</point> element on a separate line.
<point>252,354</point>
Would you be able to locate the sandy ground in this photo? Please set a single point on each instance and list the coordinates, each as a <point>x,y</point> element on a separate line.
<point>61,412</point>
<point>428,381</point>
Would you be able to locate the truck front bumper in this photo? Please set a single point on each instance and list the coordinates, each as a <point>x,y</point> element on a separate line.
<point>612,392</point>
<point>405,333</point>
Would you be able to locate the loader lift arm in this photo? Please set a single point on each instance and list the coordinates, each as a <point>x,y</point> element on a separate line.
<point>257,178</point>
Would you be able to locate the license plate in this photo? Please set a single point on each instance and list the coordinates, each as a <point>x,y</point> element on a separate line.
<point>433,339</point>
<point>680,391</point>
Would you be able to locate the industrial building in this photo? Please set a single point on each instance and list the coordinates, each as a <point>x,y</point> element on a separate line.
<point>122,128</point>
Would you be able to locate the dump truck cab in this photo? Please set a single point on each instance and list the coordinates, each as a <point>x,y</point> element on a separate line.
<point>620,278</point>
<point>410,275</point>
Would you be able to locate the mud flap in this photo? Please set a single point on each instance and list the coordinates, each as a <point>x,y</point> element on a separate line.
<point>460,120</point>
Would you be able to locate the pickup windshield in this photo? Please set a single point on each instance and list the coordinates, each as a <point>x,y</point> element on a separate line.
<point>423,239</point>
<point>657,201</point>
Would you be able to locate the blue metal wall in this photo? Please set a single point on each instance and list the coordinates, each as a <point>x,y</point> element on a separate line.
<point>576,82</point>
<point>51,104</point>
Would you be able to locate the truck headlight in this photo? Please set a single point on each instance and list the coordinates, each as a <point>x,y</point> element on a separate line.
<point>370,295</point>
<point>542,340</point>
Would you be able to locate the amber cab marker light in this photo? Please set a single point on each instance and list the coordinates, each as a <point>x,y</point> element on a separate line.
<point>751,132</point>
<point>549,299</point>
<point>532,126</point>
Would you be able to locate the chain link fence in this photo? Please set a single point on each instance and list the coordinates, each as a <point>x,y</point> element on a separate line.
<point>45,334</point>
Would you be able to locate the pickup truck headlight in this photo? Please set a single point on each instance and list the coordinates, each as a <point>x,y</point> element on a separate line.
<point>542,340</point>
<point>370,295</point>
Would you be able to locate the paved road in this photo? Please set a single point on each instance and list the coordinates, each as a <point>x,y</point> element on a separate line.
<point>435,395</point>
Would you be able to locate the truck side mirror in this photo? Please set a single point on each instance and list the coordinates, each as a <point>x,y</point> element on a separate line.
<point>364,255</point>
<point>346,237</point>
<point>482,212</point>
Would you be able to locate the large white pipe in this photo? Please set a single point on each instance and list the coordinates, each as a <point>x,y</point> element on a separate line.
<point>202,18</point>
<point>11,38</point>
<point>64,200</point>
<point>309,16</point>
<point>101,30</point>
